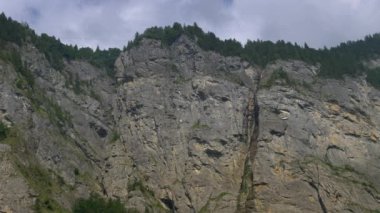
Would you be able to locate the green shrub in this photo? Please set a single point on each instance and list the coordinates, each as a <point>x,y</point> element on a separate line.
<point>76,171</point>
<point>3,131</point>
<point>46,204</point>
<point>115,136</point>
<point>278,74</point>
<point>373,77</point>
<point>97,204</point>
<point>138,185</point>
<point>199,125</point>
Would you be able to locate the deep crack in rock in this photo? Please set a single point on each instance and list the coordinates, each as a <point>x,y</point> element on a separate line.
<point>251,124</point>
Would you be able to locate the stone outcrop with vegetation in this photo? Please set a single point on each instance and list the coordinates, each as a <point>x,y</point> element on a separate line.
<point>180,121</point>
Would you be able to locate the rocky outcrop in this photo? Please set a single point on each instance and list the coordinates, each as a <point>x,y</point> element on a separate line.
<point>317,144</point>
<point>181,126</point>
<point>288,160</point>
<point>15,194</point>
<point>50,132</point>
<point>181,129</point>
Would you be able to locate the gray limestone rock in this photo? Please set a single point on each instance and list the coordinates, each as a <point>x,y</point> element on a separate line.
<point>180,129</point>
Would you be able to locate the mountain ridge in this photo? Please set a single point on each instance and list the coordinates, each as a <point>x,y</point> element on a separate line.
<point>344,59</point>
<point>170,128</point>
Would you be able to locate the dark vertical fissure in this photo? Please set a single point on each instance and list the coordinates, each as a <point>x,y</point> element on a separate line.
<point>246,199</point>
<point>321,203</point>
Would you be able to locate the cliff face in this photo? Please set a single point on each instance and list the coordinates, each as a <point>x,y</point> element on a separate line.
<point>185,130</point>
<point>181,125</point>
<point>318,144</point>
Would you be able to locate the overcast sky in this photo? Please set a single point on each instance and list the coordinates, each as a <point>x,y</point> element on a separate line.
<point>112,23</point>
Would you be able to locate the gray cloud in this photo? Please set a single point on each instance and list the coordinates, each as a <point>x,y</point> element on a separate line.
<point>112,23</point>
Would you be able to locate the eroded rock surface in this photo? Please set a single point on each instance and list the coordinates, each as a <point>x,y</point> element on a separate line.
<point>318,146</point>
<point>181,126</point>
<point>180,129</point>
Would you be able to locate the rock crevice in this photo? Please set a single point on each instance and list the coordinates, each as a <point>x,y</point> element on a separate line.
<point>246,199</point>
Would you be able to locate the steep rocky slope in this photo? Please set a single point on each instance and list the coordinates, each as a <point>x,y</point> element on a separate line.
<point>181,129</point>
<point>318,144</point>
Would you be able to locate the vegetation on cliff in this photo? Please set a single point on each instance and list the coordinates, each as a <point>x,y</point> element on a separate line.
<point>57,134</point>
<point>95,203</point>
<point>3,131</point>
<point>344,59</point>
<point>54,50</point>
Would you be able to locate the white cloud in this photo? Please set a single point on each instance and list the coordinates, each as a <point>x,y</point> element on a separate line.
<point>354,4</point>
<point>112,23</point>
